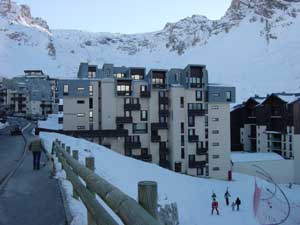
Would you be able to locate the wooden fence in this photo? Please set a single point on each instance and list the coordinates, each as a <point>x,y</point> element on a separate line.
<point>128,210</point>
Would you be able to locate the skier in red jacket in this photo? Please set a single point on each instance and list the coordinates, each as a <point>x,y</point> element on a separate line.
<point>214,206</point>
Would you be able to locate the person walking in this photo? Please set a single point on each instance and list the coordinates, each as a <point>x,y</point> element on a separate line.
<point>238,203</point>
<point>233,206</point>
<point>35,147</point>
<point>214,206</point>
<point>227,195</point>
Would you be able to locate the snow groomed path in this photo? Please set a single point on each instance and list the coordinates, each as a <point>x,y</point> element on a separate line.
<point>30,197</point>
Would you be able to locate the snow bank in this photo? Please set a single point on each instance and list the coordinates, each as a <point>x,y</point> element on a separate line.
<point>3,125</point>
<point>254,157</point>
<point>192,195</point>
<point>50,123</point>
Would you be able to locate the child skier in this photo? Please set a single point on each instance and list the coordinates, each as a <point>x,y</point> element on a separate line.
<point>214,206</point>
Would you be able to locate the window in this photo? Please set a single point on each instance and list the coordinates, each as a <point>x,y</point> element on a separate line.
<point>127,113</point>
<point>60,120</point>
<point>181,102</point>
<point>90,103</point>
<point>178,167</point>
<point>91,90</point>
<point>195,81</point>
<point>144,115</point>
<point>228,96</point>
<point>136,77</point>
<point>290,138</point>
<point>119,75</point>
<point>91,116</point>
<point>215,131</point>
<point>157,81</point>
<point>182,127</point>
<point>80,89</point>
<point>215,144</point>
<point>80,127</point>
<point>191,132</point>
<point>194,106</point>
<point>215,107</point>
<point>198,95</point>
<point>162,94</point>
<point>143,88</point>
<point>182,153</point>
<point>139,128</point>
<point>216,94</point>
<point>144,151</point>
<point>80,101</point>
<point>191,121</point>
<point>66,89</point>
<point>215,119</point>
<point>80,114</point>
<point>216,168</point>
<point>182,140</point>
<point>60,108</point>
<point>162,119</point>
<point>216,156</point>
<point>191,158</point>
<point>92,74</point>
<point>123,89</point>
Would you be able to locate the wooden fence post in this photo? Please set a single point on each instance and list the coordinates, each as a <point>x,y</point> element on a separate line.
<point>75,156</point>
<point>63,145</point>
<point>90,164</point>
<point>147,196</point>
<point>68,149</point>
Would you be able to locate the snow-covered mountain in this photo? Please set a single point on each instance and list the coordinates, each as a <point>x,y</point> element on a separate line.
<point>255,45</point>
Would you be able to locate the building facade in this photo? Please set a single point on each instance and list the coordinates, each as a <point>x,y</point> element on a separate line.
<point>173,118</point>
<point>267,124</point>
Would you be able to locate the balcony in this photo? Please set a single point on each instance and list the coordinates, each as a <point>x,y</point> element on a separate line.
<point>164,164</point>
<point>164,112</point>
<point>145,94</point>
<point>193,138</point>
<point>145,158</point>
<point>252,136</point>
<point>197,112</point>
<point>43,105</point>
<point>201,151</point>
<point>159,86</point>
<point>158,126</point>
<point>124,93</point>
<point>155,138</point>
<point>163,149</point>
<point>197,85</point>
<point>197,164</point>
<point>163,100</point>
<point>123,119</point>
<point>130,144</point>
<point>19,99</point>
<point>132,107</point>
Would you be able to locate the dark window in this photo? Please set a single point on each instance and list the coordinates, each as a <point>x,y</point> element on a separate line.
<point>216,156</point>
<point>198,95</point>
<point>60,120</point>
<point>80,101</point>
<point>181,102</point>
<point>182,153</point>
<point>182,127</point>
<point>162,94</point>
<point>178,167</point>
<point>91,103</point>
<point>191,121</point>
<point>162,119</point>
<point>182,140</point>
<point>60,108</point>
<point>144,115</point>
<point>216,168</point>
<point>191,158</point>
<point>144,151</point>
<point>290,138</point>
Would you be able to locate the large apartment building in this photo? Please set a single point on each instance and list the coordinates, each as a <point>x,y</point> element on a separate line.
<point>267,124</point>
<point>30,95</point>
<point>173,118</point>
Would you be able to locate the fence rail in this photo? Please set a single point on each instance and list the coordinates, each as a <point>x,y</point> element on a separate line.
<point>128,209</point>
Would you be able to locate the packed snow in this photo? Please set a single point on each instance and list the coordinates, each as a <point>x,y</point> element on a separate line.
<point>3,125</point>
<point>192,195</point>
<point>254,157</point>
<point>50,123</point>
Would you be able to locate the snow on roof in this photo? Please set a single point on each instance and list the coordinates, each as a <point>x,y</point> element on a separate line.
<point>254,157</point>
<point>288,98</point>
<point>259,99</point>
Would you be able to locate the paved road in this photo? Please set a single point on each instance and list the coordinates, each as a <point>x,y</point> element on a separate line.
<point>30,197</point>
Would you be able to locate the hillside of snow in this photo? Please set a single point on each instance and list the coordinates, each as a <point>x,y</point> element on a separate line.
<point>254,46</point>
<point>192,195</point>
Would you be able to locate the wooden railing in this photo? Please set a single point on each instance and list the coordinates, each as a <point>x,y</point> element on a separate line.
<point>126,208</point>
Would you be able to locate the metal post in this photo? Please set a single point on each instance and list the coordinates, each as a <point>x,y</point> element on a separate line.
<point>75,156</point>
<point>90,164</point>
<point>147,196</point>
<point>63,145</point>
<point>68,149</point>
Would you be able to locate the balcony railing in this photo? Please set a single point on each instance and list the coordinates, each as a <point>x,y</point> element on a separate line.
<point>132,106</point>
<point>164,164</point>
<point>197,112</point>
<point>145,158</point>
<point>197,164</point>
<point>123,119</point>
<point>193,138</point>
<point>145,94</point>
<point>160,86</point>
<point>157,126</point>
<point>132,144</point>
<point>124,93</point>
<point>155,138</point>
<point>163,112</point>
<point>201,151</point>
<point>163,100</point>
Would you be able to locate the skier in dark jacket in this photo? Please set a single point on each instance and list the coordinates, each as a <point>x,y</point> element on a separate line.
<point>227,195</point>
<point>238,203</point>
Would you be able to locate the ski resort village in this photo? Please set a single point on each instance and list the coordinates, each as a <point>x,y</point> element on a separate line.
<point>197,123</point>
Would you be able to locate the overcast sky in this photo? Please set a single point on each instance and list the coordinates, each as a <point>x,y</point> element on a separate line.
<point>121,16</point>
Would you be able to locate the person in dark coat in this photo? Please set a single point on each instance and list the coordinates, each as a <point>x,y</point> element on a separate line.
<point>227,195</point>
<point>238,203</point>
<point>35,147</point>
<point>214,206</point>
<point>214,196</point>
